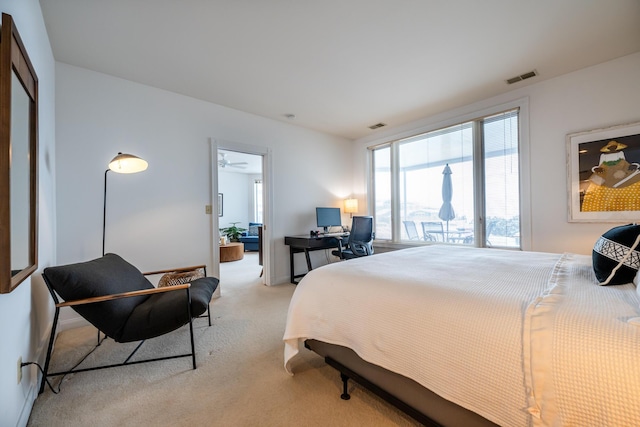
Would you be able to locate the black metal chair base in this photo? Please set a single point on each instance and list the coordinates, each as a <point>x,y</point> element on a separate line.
<point>125,363</point>
<point>52,337</point>
<point>114,365</point>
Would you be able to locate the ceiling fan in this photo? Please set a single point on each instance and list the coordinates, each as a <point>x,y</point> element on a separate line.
<point>223,162</point>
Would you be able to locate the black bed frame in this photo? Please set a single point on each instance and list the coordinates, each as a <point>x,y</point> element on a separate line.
<point>405,394</point>
<point>346,374</point>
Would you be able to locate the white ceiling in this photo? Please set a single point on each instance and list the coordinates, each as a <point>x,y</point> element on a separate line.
<point>340,65</point>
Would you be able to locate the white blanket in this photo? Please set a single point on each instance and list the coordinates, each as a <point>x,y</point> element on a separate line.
<point>581,361</point>
<point>451,318</point>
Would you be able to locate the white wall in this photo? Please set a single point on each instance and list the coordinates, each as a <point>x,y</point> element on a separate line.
<point>237,196</point>
<point>156,219</point>
<point>25,313</point>
<point>595,97</point>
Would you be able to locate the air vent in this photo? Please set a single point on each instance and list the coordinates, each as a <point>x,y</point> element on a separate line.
<point>376,126</point>
<point>521,77</point>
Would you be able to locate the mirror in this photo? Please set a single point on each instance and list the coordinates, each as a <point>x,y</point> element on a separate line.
<point>18,159</point>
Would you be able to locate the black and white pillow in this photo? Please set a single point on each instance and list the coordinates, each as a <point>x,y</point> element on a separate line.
<point>616,258</point>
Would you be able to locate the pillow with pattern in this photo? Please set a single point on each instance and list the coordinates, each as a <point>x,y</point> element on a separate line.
<point>616,258</point>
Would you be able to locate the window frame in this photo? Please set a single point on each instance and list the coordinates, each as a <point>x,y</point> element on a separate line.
<point>258,209</point>
<point>468,114</point>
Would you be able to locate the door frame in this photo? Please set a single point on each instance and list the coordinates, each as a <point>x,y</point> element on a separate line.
<point>267,203</point>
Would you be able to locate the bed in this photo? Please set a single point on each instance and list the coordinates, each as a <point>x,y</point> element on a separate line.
<point>471,336</point>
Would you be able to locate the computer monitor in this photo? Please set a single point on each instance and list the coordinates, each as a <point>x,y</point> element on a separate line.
<point>328,217</point>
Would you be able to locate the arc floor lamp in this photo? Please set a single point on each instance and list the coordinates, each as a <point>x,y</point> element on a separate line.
<point>122,163</point>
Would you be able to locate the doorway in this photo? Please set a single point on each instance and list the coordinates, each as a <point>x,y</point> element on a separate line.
<point>241,194</point>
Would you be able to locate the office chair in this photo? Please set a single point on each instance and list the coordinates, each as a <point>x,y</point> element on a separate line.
<point>360,241</point>
<point>412,231</point>
<point>432,231</point>
<point>120,302</point>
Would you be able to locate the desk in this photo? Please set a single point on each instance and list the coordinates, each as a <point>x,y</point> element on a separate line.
<point>307,244</point>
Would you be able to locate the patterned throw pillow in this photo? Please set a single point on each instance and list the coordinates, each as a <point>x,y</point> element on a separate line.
<point>175,278</point>
<point>253,230</point>
<point>615,255</point>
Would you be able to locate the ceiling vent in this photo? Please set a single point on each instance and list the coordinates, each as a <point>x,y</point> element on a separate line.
<point>521,77</point>
<point>377,126</point>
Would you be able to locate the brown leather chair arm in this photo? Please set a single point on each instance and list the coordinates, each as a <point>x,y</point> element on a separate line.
<point>175,270</point>
<point>111,297</point>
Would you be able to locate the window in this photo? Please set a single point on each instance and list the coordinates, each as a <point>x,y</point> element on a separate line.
<point>257,201</point>
<point>456,185</point>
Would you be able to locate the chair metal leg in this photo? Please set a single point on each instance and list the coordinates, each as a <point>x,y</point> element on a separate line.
<point>204,270</point>
<point>193,347</point>
<point>115,365</point>
<point>133,352</point>
<point>49,350</point>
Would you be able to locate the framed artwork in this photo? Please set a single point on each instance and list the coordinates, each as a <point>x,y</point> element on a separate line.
<point>603,179</point>
<point>219,204</point>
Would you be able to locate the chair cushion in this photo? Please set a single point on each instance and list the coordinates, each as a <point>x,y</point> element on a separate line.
<point>165,312</point>
<point>201,292</point>
<point>109,274</point>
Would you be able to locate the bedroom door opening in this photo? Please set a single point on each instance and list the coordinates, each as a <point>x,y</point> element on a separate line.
<point>241,194</point>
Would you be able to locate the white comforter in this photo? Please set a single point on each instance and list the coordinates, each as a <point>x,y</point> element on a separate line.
<point>521,338</point>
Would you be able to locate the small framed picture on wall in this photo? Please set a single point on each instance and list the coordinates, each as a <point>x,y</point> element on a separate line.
<point>220,204</point>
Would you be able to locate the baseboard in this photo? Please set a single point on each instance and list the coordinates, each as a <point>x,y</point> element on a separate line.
<point>29,400</point>
<point>74,322</point>
<point>35,377</point>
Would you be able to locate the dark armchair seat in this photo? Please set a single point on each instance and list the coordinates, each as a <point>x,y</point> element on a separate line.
<point>157,314</point>
<point>121,302</point>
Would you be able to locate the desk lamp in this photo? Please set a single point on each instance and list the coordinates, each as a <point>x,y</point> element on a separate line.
<point>351,206</point>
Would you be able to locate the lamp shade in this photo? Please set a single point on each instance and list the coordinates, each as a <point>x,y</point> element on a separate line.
<point>127,163</point>
<point>351,205</point>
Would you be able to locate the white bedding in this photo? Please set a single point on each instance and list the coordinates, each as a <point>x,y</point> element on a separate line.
<point>520,338</point>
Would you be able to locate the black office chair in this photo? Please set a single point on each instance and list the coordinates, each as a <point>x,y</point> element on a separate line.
<point>360,241</point>
<point>118,299</point>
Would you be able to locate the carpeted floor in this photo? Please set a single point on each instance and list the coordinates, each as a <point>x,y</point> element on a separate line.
<point>240,380</point>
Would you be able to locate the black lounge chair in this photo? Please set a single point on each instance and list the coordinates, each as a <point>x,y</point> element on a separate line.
<point>121,302</point>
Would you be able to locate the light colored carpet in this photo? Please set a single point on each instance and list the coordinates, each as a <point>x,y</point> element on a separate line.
<point>240,379</point>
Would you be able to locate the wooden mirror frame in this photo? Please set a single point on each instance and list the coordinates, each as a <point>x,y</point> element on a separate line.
<point>14,60</point>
